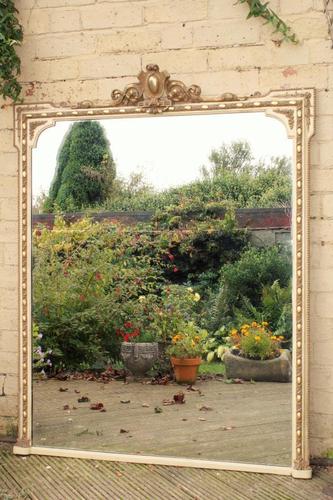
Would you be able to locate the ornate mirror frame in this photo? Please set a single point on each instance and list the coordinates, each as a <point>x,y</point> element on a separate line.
<point>156,93</point>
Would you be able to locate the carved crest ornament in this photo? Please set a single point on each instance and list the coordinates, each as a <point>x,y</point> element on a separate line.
<point>154,93</point>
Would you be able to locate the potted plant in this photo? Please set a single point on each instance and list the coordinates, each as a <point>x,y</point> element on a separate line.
<point>138,349</point>
<point>256,354</point>
<point>186,350</point>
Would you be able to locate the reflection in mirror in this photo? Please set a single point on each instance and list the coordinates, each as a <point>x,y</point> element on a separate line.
<point>162,316</point>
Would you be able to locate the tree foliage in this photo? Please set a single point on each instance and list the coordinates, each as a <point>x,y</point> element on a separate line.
<point>232,176</point>
<point>85,169</point>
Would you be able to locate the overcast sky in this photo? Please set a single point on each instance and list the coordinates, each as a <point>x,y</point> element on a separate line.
<point>169,149</point>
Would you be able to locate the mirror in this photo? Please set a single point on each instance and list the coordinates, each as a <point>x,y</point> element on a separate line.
<point>178,244</point>
<point>164,278</point>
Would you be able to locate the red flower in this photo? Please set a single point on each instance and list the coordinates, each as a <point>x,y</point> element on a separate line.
<point>175,269</point>
<point>98,276</point>
<point>136,332</point>
<point>171,257</point>
<point>128,324</point>
<point>82,298</point>
<point>126,337</point>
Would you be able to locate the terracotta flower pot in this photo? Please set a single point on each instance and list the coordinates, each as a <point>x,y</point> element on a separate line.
<point>186,369</point>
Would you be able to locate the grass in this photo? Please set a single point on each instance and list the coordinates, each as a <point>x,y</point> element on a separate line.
<point>214,368</point>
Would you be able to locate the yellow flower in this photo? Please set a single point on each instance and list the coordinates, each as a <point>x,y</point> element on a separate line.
<point>281,337</point>
<point>176,338</point>
<point>257,338</point>
<point>273,337</point>
<point>196,297</point>
<point>234,332</point>
<point>264,323</point>
<point>196,338</point>
<point>245,333</point>
<point>193,343</point>
<point>142,298</point>
<point>190,290</point>
<point>254,324</point>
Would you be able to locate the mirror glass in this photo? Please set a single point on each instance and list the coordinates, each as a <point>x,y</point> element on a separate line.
<point>161,275</point>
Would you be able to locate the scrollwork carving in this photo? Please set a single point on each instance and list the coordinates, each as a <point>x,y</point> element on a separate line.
<point>155,92</point>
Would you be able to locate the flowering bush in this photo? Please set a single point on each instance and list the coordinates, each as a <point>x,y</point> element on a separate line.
<point>177,304</point>
<point>87,280</point>
<point>188,342</point>
<point>256,341</point>
<point>40,358</point>
<point>131,333</point>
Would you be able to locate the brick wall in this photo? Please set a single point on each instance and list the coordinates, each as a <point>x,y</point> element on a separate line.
<point>76,50</point>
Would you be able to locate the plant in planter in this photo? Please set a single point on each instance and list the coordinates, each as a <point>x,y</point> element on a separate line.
<point>256,354</point>
<point>186,350</point>
<point>139,350</point>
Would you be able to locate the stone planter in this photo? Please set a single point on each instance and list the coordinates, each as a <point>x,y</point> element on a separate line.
<point>271,370</point>
<point>139,357</point>
<point>185,369</point>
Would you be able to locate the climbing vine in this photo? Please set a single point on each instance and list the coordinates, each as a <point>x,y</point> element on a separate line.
<point>259,9</point>
<point>11,35</point>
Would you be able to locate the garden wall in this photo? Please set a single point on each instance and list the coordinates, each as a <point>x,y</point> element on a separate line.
<point>76,50</point>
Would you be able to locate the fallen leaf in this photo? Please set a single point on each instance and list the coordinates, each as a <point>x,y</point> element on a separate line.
<point>202,419</point>
<point>119,474</point>
<point>66,407</point>
<point>160,380</point>
<point>96,406</point>
<point>145,405</point>
<point>184,419</point>
<point>205,408</point>
<point>168,402</point>
<point>76,391</point>
<point>103,410</point>
<point>239,381</point>
<point>123,431</point>
<point>191,388</point>
<point>224,428</point>
<point>234,381</point>
<point>83,399</point>
<point>62,389</point>
<point>157,409</point>
<point>125,401</point>
<point>179,398</point>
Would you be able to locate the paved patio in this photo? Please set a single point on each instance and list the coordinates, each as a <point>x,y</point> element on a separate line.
<point>48,478</point>
<point>231,422</point>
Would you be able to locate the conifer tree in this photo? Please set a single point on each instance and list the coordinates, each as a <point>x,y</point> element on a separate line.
<point>85,169</point>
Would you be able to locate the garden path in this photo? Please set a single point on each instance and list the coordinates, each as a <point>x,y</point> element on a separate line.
<point>231,422</point>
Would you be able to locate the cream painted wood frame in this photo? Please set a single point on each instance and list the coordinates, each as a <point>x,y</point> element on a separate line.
<point>156,93</point>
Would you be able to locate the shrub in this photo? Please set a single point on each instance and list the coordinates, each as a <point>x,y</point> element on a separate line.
<point>87,279</point>
<point>245,279</point>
